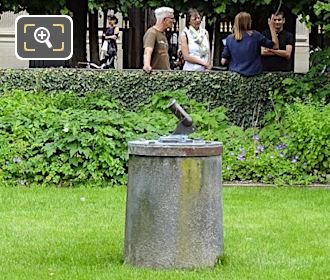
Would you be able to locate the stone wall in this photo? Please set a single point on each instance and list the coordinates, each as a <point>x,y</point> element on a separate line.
<point>7,42</point>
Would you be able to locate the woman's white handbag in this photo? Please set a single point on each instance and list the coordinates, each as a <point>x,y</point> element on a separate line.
<point>105,46</point>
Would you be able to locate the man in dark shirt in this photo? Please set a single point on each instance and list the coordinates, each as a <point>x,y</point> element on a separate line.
<point>278,60</point>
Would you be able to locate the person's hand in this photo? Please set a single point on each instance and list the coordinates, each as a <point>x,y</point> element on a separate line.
<point>270,50</point>
<point>208,66</point>
<point>147,68</point>
<point>224,61</point>
<point>271,22</point>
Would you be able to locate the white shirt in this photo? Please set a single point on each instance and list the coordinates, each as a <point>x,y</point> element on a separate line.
<point>194,49</point>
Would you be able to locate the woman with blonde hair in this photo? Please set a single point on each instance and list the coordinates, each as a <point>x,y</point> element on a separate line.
<point>243,48</point>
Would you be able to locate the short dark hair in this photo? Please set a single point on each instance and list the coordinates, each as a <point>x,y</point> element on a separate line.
<point>113,18</point>
<point>280,13</point>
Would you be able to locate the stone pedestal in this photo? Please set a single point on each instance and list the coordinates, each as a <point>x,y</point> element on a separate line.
<point>174,216</point>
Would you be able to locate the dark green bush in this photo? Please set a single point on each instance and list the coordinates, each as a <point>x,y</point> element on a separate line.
<point>246,99</point>
<point>321,58</point>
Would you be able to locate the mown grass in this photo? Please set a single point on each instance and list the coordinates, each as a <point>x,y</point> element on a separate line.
<point>78,233</point>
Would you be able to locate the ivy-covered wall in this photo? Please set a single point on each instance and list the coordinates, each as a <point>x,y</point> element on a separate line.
<point>247,99</point>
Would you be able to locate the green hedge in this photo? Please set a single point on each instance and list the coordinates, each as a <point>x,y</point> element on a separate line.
<point>247,99</point>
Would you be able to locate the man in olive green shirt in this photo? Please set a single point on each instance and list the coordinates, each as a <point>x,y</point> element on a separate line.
<point>155,42</point>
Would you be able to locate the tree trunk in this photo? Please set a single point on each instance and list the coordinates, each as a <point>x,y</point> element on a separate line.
<point>79,10</point>
<point>150,19</point>
<point>93,36</point>
<point>210,29</point>
<point>135,38</point>
<point>217,43</point>
<point>105,19</point>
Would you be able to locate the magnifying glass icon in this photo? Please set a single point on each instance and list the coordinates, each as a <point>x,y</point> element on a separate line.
<point>41,35</point>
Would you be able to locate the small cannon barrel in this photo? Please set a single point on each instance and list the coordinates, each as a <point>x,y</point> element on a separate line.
<point>180,113</point>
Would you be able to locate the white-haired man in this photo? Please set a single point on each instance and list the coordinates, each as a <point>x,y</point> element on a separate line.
<point>155,42</point>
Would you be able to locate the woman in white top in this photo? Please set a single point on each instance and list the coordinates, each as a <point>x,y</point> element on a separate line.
<point>195,44</point>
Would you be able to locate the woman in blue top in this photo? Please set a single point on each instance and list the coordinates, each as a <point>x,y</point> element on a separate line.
<point>243,48</point>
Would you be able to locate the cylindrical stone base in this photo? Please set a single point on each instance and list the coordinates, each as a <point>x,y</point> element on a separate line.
<point>174,215</point>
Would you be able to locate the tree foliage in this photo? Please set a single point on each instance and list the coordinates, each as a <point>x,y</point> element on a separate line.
<point>311,11</point>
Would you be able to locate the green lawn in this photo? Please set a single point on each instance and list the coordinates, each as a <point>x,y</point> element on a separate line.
<point>77,233</point>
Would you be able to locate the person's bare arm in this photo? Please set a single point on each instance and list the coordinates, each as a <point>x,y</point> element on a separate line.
<point>283,53</point>
<point>147,59</point>
<point>273,32</point>
<point>209,60</point>
<point>266,52</point>
<point>114,36</point>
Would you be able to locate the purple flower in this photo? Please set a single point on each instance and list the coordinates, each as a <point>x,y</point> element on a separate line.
<point>270,176</point>
<point>228,167</point>
<point>256,137</point>
<point>258,157</point>
<point>280,146</point>
<point>260,149</point>
<point>231,154</point>
<point>295,159</point>
<point>271,156</point>
<point>241,157</point>
<point>17,160</point>
<point>281,154</point>
<point>305,163</point>
<point>241,149</point>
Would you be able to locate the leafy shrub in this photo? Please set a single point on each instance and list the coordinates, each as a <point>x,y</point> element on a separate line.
<point>313,87</point>
<point>322,58</point>
<point>61,138</point>
<point>246,99</point>
<point>64,139</point>
<point>309,138</point>
<point>293,151</point>
<point>154,119</point>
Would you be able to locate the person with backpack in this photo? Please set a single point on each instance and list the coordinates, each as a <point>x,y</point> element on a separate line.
<point>195,45</point>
